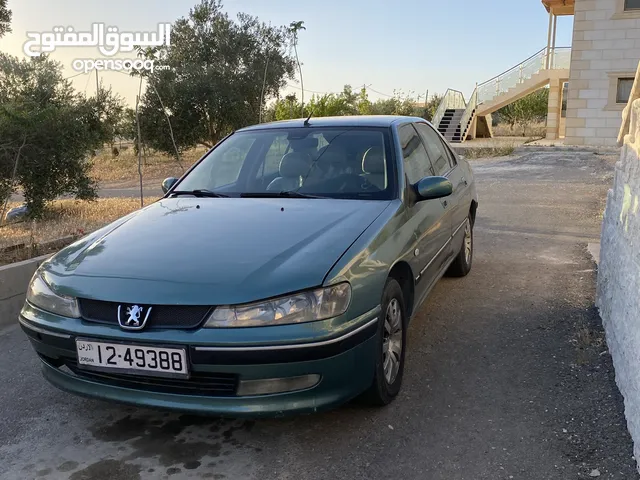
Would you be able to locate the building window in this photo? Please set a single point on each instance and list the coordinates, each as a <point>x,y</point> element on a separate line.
<point>624,90</point>
<point>632,5</point>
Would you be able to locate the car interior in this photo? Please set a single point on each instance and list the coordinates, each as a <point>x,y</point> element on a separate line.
<point>346,162</point>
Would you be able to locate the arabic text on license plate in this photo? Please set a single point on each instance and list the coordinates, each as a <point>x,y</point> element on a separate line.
<point>143,360</point>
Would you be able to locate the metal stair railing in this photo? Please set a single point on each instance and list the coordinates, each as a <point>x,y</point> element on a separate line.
<point>559,58</point>
<point>453,99</point>
<point>467,116</point>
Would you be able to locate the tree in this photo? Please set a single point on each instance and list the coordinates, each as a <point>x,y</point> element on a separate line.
<point>215,77</point>
<point>47,132</point>
<point>525,111</point>
<point>5,18</point>
<point>111,114</point>
<point>431,107</point>
<point>399,104</point>
<point>349,102</point>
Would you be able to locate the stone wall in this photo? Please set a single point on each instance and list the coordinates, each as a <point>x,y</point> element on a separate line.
<point>606,45</point>
<point>14,281</point>
<point>618,296</point>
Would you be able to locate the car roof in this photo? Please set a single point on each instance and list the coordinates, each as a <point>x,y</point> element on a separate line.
<point>346,121</point>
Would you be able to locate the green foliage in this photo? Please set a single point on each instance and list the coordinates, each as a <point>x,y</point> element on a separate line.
<point>215,77</point>
<point>126,127</point>
<point>49,129</point>
<point>524,112</point>
<point>5,18</point>
<point>111,113</point>
<point>349,102</point>
<point>431,107</point>
<point>399,104</point>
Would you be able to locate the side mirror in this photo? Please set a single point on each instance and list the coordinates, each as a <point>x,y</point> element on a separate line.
<point>167,183</point>
<point>429,188</point>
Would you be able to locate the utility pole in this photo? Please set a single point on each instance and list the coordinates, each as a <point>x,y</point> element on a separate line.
<point>264,83</point>
<point>139,149</point>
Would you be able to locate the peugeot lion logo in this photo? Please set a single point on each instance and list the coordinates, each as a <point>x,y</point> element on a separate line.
<point>132,319</point>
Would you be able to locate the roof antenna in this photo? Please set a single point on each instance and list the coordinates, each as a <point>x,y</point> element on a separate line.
<point>306,122</point>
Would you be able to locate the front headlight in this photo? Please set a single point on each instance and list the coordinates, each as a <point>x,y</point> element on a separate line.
<point>40,295</point>
<point>301,307</point>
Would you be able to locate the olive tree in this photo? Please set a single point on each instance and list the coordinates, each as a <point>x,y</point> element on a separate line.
<point>47,132</point>
<point>216,71</point>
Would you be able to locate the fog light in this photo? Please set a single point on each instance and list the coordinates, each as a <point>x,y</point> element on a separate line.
<point>266,386</point>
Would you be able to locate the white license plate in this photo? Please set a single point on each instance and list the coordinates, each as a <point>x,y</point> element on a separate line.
<point>135,359</point>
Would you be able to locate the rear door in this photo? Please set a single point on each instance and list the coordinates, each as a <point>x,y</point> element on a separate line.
<point>444,164</point>
<point>427,219</point>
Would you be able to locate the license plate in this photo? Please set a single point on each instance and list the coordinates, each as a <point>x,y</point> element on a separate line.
<point>134,359</point>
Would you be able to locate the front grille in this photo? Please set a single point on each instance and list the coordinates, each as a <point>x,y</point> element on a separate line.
<point>161,316</point>
<point>199,383</point>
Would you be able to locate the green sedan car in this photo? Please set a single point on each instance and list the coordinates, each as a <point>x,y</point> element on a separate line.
<point>278,275</point>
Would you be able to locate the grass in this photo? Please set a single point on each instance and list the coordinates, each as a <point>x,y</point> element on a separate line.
<point>106,168</point>
<point>494,151</point>
<point>533,130</point>
<point>63,218</point>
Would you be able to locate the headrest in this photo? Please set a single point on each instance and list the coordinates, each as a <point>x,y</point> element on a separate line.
<point>304,144</point>
<point>373,161</point>
<point>331,154</point>
<point>295,164</point>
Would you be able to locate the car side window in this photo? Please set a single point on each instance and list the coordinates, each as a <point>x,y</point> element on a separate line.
<point>440,156</point>
<point>416,161</point>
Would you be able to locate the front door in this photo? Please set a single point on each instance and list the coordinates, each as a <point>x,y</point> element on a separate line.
<point>444,164</point>
<point>428,219</point>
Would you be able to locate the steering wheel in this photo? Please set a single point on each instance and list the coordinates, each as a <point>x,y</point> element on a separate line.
<point>351,183</point>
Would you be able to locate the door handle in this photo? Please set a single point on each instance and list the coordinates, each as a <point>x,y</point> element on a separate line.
<point>464,180</point>
<point>445,204</point>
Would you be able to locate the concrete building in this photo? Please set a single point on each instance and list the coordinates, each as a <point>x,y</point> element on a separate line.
<point>589,83</point>
<point>604,58</point>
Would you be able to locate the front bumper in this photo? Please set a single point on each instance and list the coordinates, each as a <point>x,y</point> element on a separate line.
<point>345,364</point>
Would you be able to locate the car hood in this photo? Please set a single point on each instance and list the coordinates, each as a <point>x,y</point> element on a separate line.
<point>212,251</point>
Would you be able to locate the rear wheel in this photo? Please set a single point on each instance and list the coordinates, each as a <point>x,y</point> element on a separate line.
<point>461,266</point>
<point>390,349</point>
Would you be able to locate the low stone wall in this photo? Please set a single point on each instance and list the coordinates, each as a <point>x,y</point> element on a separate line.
<point>14,280</point>
<point>618,296</point>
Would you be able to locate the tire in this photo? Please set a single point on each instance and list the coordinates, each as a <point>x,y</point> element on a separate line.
<point>387,382</point>
<point>461,266</point>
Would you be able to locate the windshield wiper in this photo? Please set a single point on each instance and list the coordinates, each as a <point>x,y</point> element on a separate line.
<point>200,192</point>
<point>283,194</point>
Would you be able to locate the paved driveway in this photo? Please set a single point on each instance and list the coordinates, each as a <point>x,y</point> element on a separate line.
<point>507,374</point>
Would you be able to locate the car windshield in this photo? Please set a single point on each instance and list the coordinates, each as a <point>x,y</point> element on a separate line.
<point>349,163</point>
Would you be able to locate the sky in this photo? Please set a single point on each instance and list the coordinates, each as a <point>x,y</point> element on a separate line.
<point>412,46</point>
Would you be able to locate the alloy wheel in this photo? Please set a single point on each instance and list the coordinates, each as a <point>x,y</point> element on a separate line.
<point>467,244</point>
<point>392,341</point>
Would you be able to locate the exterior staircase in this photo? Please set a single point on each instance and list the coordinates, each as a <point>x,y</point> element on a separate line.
<point>456,119</point>
<point>520,90</point>
<point>449,126</point>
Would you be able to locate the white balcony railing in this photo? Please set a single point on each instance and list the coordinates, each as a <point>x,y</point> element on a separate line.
<point>552,59</point>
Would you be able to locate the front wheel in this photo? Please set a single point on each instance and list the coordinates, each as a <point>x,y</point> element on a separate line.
<point>461,266</point>
<point>390,348</point>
